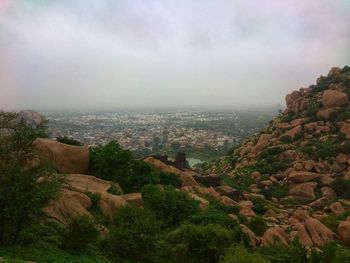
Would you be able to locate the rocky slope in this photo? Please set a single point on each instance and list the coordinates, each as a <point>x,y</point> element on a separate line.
<point>294,175</point>
<point>299,166</point>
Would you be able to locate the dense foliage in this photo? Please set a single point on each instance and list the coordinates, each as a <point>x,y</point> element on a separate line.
<point>111,162</point>
<point>22,194</point>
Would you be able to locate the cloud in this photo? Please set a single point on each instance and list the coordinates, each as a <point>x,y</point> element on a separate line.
<point>87,53</point>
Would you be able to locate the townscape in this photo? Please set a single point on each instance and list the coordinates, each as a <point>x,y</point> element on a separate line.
<point>197,132</point>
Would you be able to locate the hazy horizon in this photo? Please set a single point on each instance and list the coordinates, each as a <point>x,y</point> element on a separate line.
<point>87,54</point>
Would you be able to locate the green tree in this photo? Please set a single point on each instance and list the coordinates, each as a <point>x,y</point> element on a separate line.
<point>134,236</point>
<point>204,244</point>
<point>239,254</point>
<point>26,186</point>
<point>170,206</point>
<point>81,232</point>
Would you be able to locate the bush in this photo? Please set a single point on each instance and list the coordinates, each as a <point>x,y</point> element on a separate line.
<point>341,187</point>
<point>111,162</point>
<point>279,253</point>
<point>134,236</point>
<point>258,225</point>
<point>278,191</point>
<point>239,254</point>
<point>331,253</point>
<point>169,179</point>
<point>67,140</point>
<point>80,233</point>
<point>204,244</point>
<point>212,216</point>
<point>22,194</point>
<point>170,206</point>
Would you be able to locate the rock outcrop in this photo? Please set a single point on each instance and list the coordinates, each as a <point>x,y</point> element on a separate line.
<point>65,158</point>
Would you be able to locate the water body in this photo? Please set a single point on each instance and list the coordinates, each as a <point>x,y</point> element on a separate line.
<point>193,161</point>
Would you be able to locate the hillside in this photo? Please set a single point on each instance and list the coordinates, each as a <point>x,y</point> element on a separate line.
<point>282,196</point>
<point>298,166</point>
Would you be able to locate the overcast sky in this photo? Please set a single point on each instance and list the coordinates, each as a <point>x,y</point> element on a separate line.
<point>110,53</point>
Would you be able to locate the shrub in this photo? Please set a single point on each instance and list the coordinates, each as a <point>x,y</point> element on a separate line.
<point>170,206</point>
<point>169,179</point>
<point>258,225</point>
<point>278,191</point>
<point>80,233</point>
<point>114,190</point>
<point>134,236</point>
<point>239,254</point>
<point>212,216</point>
<point>203,244</point>
<point>67,140</point>
<point>22,194</point>
<point>280,253</point>
<point>341,187</point>
<point>111,162</point>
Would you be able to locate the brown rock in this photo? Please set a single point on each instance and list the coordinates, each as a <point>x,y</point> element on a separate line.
<point>253,240</point>
<point>337,208</point>
<point>273,235</point>
<point>334,98</point>
<point>326,113</point>
<point>293,132</point>
<point>302,176</point>
<point>309,165</point>
<point>87,183</point>
<point>344,232</point>
<point>65,158</point>
<point>262,143</point>
<point>341,158</point>
<point>328,193</point>
<point>110,203</point>
<point>318,232</point>
<point>298,167</point>
<point>69,205</point>
<point>134,199</point>
<point>303,235</point>
<point>345,129</point>
<point>303,191</point>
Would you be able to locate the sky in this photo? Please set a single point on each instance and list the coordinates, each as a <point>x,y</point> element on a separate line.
<point>135,53</point>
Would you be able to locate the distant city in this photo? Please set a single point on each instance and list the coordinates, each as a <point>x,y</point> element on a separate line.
<point>201,134</point>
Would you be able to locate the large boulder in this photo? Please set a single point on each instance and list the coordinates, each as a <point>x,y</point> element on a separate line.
<point>31,118</point>
<point>262,143</point>
<point>87,183</point>
<point>303,191</point>
<point>344,232</point>
<point>65,158</point>
<point>302,176</point>
<point>274,235</point>
<point>319,233</point>
<point>253,240</point>
<point>69,205</point>
<point>334,98</point>
<point>345,129</point>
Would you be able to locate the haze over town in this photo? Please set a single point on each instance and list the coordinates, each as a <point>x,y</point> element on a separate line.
<point>105,54</point>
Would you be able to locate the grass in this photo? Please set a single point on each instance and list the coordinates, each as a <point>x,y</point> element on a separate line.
<point>44,252</point>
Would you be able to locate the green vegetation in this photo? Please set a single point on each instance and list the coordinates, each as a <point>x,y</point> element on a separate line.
<point>80,233</point>
<point>111,162</point>
<point>134,236</point>
<point>202,244</point>
<point>239,254</point>
<point>170,206</point>
<point>341,187</point>
<point>278,191</point>
<point>22,194</point>
<point>258,225</point>
<point>69,141</point>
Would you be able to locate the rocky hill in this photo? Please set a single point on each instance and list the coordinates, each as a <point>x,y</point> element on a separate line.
<point>288,185</point>
<point>298,168</point>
